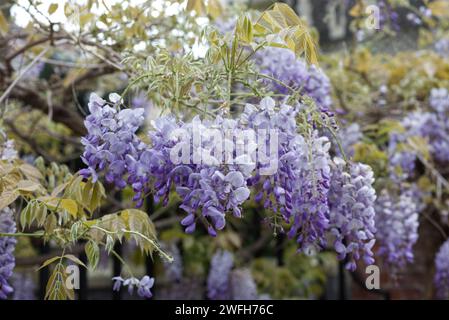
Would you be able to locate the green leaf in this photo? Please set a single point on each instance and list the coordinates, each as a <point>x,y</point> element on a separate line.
<point>139,221</point>
<point>56,288</point>
<point>48,262</point>
<point>28,186</point>
<point>30,172</point>
<point>7,197</point>
<point>4,26</point>
<point>50,223</point>
<point>75,259</point>
<point>282,22</point>
<point>70,206</point>
<point>214,8</point>
<point>52,8</point>
<point>93,253</point>
<point>197,6</point>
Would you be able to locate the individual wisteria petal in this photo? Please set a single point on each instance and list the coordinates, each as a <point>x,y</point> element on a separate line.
<point>397,227</point>
<point>218,286</point>
<point>441,278</point>
<point>352,214</point>
<point>7,247</point>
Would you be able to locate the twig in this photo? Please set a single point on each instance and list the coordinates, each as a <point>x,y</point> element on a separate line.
<point>27,68</point>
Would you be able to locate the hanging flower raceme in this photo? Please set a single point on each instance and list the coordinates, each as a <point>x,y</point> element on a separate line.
<point>219,274</point>
<point>191,158</point>
<point>212,164</point>
<point>310,193</point>
<point>397,228</point>
<point>7,225</point>
<point>112,145</point>
<point>441,278</point>
<point>243,286</point>
<point>282,65</point>
<point>24,286</point>
<point>7,246</point>
<point>349,136</point>
<point>351,199</point>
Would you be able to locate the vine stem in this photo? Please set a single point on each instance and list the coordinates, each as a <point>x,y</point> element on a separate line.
<point>28,67</point>
<point>21,234</point>
<point>153,243</point>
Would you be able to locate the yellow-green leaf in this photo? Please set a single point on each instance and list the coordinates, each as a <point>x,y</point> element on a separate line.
<point>28,186</point>
<point>4,26</point>
<point>52,8</point>
<point>75,259</point>
<point>7,197</point>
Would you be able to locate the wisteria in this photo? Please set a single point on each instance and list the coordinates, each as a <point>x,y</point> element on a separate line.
<point>442,47</point>
<point>349,136</point>
<point>397,228</point>
<point>352,213</point>
<point>282,65</point>
<point>112,144</point>
<point>143,285</point>
<point>430,125</point>
<point>7,246</point>
<point>8,151</point>
<point>24,286</point>
<point>210,188</point>
<point>243,286</point>
<point>218,286</point>
<point>441,278</point>
<point>173,270</point>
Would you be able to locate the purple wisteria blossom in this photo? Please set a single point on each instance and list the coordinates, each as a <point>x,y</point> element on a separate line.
<point>243,286</point>
<point>283,65</point>
<point>173,270</point>
<point>349,136</point>
<point>442,47</point>
<point>206,186</point>
<point>143,285</point>
<point>397,228</point>
<point>7,247</point>
<point>441,278</point>
<point>112,145</point>
<point>24,286</point>
<point>218,287</point>
<point>352,223</point>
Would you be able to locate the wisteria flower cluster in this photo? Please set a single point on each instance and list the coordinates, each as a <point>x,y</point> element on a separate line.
<point>112,144</point>
<point>143,285</point>
<point>441,278</point>
<point>7,247</point>
<point>298,188</point>
<point>224,282</point>
<point>349,136</point>
<point>283,65</point>
<point>219,272</point>
<point>7,225</point>
<point>397,228</point>
<point>352,214</point>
